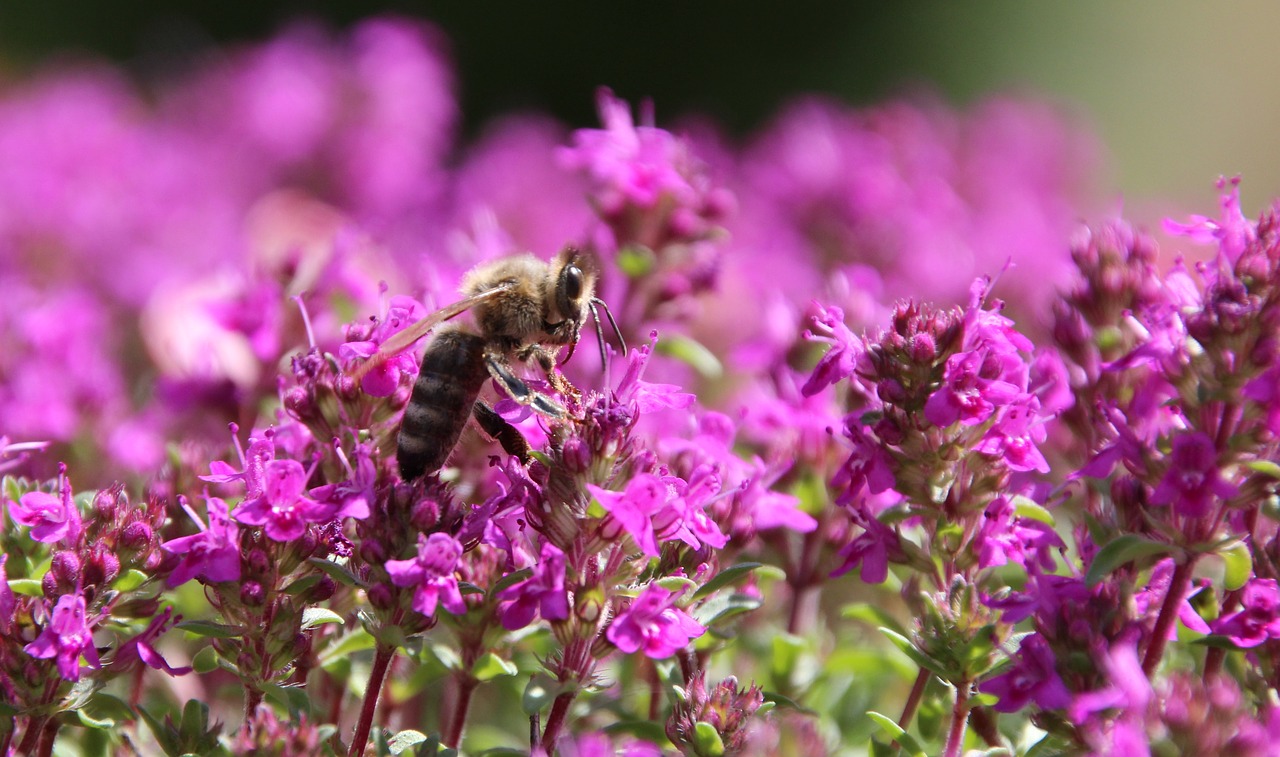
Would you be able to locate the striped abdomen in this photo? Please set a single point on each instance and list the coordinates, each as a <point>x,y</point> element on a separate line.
<point>453,371</point>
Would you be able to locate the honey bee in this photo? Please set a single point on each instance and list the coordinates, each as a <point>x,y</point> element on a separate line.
<point>525,309</point>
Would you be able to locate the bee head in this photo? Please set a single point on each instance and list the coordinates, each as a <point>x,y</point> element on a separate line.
<point>575,285</point>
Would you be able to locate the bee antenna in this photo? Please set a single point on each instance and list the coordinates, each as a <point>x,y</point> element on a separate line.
<point>595,315</point>
<point>617,331</point>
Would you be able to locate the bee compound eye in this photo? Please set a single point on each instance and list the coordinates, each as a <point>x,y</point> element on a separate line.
<point>571,282</point>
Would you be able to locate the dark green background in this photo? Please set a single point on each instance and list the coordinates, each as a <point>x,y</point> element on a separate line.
<point>1179,91</point>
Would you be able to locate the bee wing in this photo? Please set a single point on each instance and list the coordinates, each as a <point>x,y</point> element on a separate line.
<point>403,340</point>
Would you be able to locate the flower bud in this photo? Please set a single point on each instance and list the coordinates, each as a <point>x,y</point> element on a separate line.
<point>372,552</point>
<point>258,562</point>
<point>252,594</point>
<point>381,597</point>
<point>300,404</point>
<point>65,568</point>
<point>322,590</point>
<point>136,536</point>
<point>103,567</point>
<point>576,456</point>
<point>425,514</point>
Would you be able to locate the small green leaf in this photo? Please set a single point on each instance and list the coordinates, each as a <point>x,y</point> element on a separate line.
<point>338,572</point>
<point>1265,467</point>
<point>721,607</point>
<point>706,739</point>
<point>130,580</point>
<point>314,616</point>
<point>725,577</point>
<point>195,721</point>
<point>1025,507</point>
<point>491,666</point>
<point>294,698</point>
<point>405,740</point>
<point>1121,550</point>
<point>890,728</point>
<point>692,353</point>
<point>211,629</point>
<point>635,261</point>
<point>1217,642</point>
<point>27,587</point>
<point>541,457</point>
<point>357,640</point>
<point>205,661</point>
<point>1237,563</point>
<point>675,584</point>
<point>466,589</point>
<point>918,657</point>
<point>302,585</point>
<point>537,695</point>
<point>511,579</point>
<point>873,616</point>
<point>104,711</point>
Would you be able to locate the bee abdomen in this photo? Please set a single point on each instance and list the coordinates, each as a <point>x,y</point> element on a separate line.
<point>452,373</point>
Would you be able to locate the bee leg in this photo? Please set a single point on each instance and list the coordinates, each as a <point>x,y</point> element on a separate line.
<point>546,360</point>
<point>517,389</point>
<point>512,441</point>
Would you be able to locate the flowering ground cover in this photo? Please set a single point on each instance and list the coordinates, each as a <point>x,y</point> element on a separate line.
<point>898,456</point>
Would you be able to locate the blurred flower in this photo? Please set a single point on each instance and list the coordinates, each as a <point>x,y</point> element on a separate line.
<point>654,624</point>
<point>431,574</point>
<point>212,554</point>
<point>67,637</point>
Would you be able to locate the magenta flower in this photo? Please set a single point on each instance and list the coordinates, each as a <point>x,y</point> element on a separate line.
<point>1193,480</point>
<point>7,601</point>
<point>1006,538</point>
<point>869,466</point>
<point>140,646</point>
<point>1033,678</point>
<point>350,498</point>
<point>966,395</point>
<point>282,509</point>
<point>841,358</point>
<point>654,624</point>
<point>66,637</point>
<point>1259,618</point>
<point>873,549</point>
<point>542,593</point>
<point>213,554</point>
<point>50,518</point>
<point>633,508</point>
<point>262,450</point>
<point>431,572</point>
<point>385,377</point>
<point>1232,232</point>
<point>1016,435</point>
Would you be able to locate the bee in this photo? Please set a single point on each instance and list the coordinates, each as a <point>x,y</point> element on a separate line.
<point>525,310</point>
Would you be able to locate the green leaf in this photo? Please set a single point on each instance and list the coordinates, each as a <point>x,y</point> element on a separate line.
<point>205,661</point>
<point>647,730</point>
<point>725,577</point>
<point>1265,467</point>
<point>920,658</point>
<point>27,587</point>
<point>542,457</point>
<point>405,740</point>
<point>130,580</point>
<point>675,584</point>
<point>338,572</point>
<point>314,616</point>
<point>511,579</point>
<point>1237,563</point>
<point>706,739</point>
<point>890,728</point>
<point>357,640</point>
<point>466,589</point>
<point>872,615</point>
<point>537,695</point>
<point>1121,550</point>
<point>1217,642</point>
<point>104,711</point>
<point>211,629</point>
<point>692,353</point>
<point>491,666</point>
<point>722,607</point>
<point>294,698</point>
<point>635,261</point>
<point>195,721</point>
<point>303,584</point>
<point>166,736</point>
<point>1025,507</point>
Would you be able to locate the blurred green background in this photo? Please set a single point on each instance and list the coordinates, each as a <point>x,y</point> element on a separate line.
<point>1178,91</point>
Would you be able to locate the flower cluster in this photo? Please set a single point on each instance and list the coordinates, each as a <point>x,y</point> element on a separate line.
<point>872,377</point>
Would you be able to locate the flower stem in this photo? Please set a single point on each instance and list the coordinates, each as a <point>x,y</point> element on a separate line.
<point>913,699</point>
<point>466,685</point>
<point>1168,614</point>
<point>556,720</point>
<point>381,662</point>
<point>959,718</point>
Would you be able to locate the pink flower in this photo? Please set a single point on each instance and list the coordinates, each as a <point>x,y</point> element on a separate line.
<point>966,394</point>
<point>1259,618</point>
<point>1033,678</point>
<point>633,508</point>
<point>140,646</point>
<point>1193,481</point>
<point>281,508</point>
<point>213,554</point>
<point>67,637</point>
<point>50,518</point>
<point>7,601</point>
<point>654,624</point>
<point>542,593</point>
<point>431,572</point>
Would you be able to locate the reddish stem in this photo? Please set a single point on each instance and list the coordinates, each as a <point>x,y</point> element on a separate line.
<point>381,661</point>
<point>1178,585</point>
<point>913,699</point>
<point>48,735</point>
<point>556,720</point>
<point>31,736</point>
<point>959,717</point>
<point>466,685</point>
